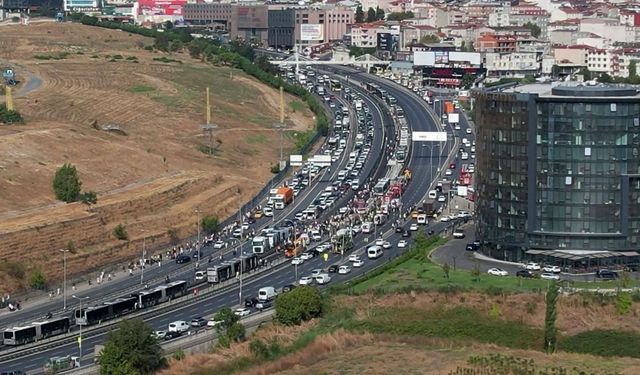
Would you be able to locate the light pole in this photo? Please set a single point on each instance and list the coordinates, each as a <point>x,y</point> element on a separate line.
<point>64,279</point>
<point>198,223</point>
<point>80,335</point>
<point>142,261</point>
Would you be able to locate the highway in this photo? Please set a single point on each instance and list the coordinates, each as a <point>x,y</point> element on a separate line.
<point>34,362</point>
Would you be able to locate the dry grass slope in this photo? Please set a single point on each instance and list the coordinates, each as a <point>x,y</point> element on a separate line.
<point>154,177</point>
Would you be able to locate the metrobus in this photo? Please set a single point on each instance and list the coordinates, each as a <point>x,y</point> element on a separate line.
<point>381,187</point>
<point>335,85</point>
<point>36,331</point>
<point>232,268</point>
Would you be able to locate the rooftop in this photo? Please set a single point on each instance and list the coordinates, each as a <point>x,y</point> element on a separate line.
<point>576,89</point>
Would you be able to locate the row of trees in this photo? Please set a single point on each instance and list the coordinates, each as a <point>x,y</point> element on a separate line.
<point>371,16</point>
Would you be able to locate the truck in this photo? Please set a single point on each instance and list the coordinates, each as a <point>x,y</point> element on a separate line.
<point>260,244</point>
<point>297,247</point>
<point>61,363</point>
<point>282,198</point>
<point>342,241</point>
<point>454,118</point>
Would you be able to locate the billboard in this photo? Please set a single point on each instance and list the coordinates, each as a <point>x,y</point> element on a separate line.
<point>429,136</point>
<point>311,32</point>
<point>424,58</point>
<point>454,118</point>
<point>387,42</point>
<point>161,7</point>
<point>321,160</point>
<point>473,58</point>
<point>295,160</point>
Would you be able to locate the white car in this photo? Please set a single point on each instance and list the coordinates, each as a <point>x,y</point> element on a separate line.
<point>468,131</point>
<point>444,219</point>
<point>386,245</point>
<point>497,272</point>
<point>552,269</point>
<point>218,245</point>
<point>306,256</point>
<point>549,276</point>
<point>358,263</point>
<point>343,270</point>
<point>213,323</point>
<point>531,266</point>
<point>306,280</point>
<point>316,272</point>
<point>448,172</point>
<point>402,244</point>
<point>296,261</point>
<point>442,199</point>
<point>242,311</point>
<point>413,227</point>
<point>343,210</point>
<point>159,335</point>
<point>237,232</point>
<point>354,258</point>
<point>458,234</point>
<point>379,242</point>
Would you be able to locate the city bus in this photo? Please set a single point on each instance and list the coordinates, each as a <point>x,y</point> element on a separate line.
<point>381,187</point>
<point>36,331</point>
<point>335,85</point>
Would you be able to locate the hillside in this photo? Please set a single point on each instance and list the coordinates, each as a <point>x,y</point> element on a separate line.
<point>152,174</point>
<point>437,333</point>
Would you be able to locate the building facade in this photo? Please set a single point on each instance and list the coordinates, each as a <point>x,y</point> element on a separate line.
<point>558,172</point>
<point>282,27</point>
<point>207,13</point>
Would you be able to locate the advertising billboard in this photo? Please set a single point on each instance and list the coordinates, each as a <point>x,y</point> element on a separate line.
<point>473,58</point>
<point>424,58</point>
<point>161,7</point>
<point>387,42</point>
<point>311,32</point>
<point>295,160</point>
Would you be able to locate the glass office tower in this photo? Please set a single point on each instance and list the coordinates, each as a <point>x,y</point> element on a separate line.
<point>558,170</point>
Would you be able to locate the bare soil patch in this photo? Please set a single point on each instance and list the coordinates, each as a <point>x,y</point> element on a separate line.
<point>107,78</point>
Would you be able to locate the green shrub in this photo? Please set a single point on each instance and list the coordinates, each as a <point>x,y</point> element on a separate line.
<point>38,281</point>
<point>121,232</point>
<point>608,343</point>
<point>623,303</point>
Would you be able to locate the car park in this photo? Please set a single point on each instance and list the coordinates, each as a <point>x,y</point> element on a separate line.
<point>497,272</point>
<point>305,280</point>
<point>242,311</point>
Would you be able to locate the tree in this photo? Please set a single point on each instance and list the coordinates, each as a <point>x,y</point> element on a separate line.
<point>379,13</point>
<point>89,198</point>
<point>210,224</point>
<point>121,232</point>
<point>371,15</point>
<point>468,80</point>
<point>605,78</point>
<point>359,18</point>
<point>399,16</point>
<point>430,39</point>
<point>38,280</point>
<point>131,349</point>
<point>446,269</point>
<point>302,303</point>
<point>535,29</point>
<point>66,183</point>
<point>550,331</point>
<point>229,327</point>
<point>633,69</point>
<point>168,25</point>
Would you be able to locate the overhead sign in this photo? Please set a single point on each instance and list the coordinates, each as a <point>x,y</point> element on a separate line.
<point>321,160</point>
<point>295,160</point>
<point>429,136</point>
<point>311,32</point>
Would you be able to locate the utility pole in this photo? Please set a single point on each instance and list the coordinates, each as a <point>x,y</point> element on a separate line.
<point>240,245</point>
<point>80,336</point>
<point>64,278</point>
<point>280,127</point>
<point>142,261</point>
<point>198,223</point>
<point>208,127</point>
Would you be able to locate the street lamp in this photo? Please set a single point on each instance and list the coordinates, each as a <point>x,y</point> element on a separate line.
<point>64,278</point>
<point>80,335</point>
<point>142,261</point>
<point>198,223</point>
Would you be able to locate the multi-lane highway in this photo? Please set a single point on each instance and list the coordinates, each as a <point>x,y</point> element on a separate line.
<point>418,118</point>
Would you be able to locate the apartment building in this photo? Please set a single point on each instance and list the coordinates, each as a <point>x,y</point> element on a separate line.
<point>365,35</point>
<point>514,64</point>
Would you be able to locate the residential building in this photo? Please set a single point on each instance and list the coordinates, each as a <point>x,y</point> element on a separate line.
<point>609,28</point>
<point>365,34</point>
<point>557,172</point>
<point>513,64</point>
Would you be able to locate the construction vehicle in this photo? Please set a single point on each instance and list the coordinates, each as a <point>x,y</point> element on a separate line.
<point>296,248</point>
<point>282,198</point>
<point>59,363</point>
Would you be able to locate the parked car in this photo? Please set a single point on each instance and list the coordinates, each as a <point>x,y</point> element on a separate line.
<point>497,272</point>
<point>470,247</point>
<point>525,273</point>
<point>532,266</point>
<point>552,269</point>
<point>549,276</point>
<point>458,234</point>
<point>606,275</point>
<point>242,311</point>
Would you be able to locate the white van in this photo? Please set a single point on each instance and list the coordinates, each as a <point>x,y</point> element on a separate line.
<point>353,156</point>
<point>433,194</point>
<point>367,227</point>
<point>267,293</point>
<point>422,219</point>
<point>179,326</point>
<point>374,252</point>
<point>322,278</point>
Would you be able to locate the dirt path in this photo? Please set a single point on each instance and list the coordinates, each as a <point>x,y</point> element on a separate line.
<point>33,81</point>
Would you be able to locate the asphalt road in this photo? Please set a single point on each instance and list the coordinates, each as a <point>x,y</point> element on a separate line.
<point>35,361</point>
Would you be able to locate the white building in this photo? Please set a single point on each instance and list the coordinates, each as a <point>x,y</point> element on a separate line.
<point>515,64</point>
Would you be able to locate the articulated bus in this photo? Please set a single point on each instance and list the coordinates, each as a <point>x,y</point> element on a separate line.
<point>381,187</point>
<point>36,331</point>
<point>336,86</point>
<point>230,269</point>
